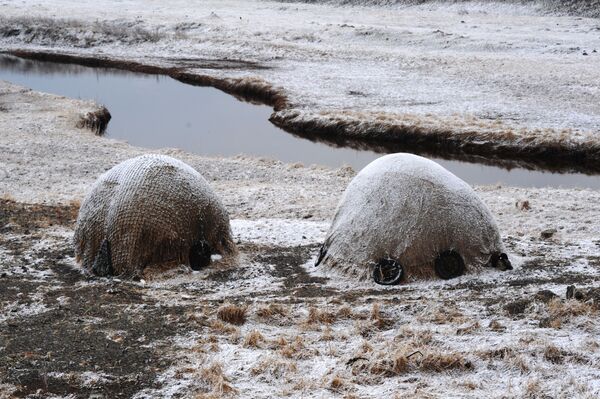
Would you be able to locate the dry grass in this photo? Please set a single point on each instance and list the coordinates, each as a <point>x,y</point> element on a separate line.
<point>495,325</point>
<point>316,316</point>
<point>447,314</point>
<point>560,309</point>
<point>345,312</point>
<point>43,30</point>
<point>232,314</point>
<point>414,338</point>
<point>296,349</point>
<point>217,382</point>
<point>533,388</point>
<point>553,354</point>
<point>337,383</point>
<point>7,197</point>
<point>439,362</point>
<point>404,360</point>
<point>500,353</point>
<point>390,366</point>
<point>272,310</point>
<point>327,334</point>
<point>220,327</point>
<point>274,368</point>
<point>469,329</point>
<point>366,347</point>
<point>254,339</point>
<point>380,321</point>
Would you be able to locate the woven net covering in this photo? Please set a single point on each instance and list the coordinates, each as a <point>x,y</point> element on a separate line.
<point>409,209</point>
<point>151,209</point>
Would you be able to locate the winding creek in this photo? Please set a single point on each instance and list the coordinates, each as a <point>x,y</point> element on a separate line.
<point>157,111</point>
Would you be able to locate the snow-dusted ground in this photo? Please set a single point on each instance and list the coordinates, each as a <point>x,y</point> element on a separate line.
<point>308,332</point>
<point>492,72</point>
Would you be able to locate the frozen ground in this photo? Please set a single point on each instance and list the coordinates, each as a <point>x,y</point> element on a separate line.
<point>487,77</point>
<point>306,332</point>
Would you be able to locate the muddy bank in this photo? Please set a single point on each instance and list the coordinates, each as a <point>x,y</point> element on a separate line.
<point>506,150</point>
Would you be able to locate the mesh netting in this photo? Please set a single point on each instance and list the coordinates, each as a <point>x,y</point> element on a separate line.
<point>410,209</point>
<point>151,209</point>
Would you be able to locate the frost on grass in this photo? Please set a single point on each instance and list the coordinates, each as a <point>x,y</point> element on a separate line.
<point>411,210</point>
<point>150,210</point>
<point>44,31</point>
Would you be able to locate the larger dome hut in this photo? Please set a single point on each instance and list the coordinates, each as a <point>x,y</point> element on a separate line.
<point>150,210</point>
<point>404,217</point>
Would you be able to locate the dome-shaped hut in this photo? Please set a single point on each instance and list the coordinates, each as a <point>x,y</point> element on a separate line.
<point>150,210</point>
<point>404,217</point>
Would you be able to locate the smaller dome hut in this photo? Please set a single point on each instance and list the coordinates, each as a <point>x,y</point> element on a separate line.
<point>404,217</point>
<point>150,210</point>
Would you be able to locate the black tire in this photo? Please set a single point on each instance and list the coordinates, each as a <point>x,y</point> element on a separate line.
<point>388,272</point>
<point>449,264</point>
<point>200,255</point>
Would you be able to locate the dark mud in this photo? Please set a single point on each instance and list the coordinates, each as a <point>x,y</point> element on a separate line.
<point>98,336</point>
<point>105,326</point>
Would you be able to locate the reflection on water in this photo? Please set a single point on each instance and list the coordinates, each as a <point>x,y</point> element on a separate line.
<point>155,111</point>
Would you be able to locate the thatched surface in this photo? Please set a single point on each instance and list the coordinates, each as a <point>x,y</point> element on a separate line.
<point>408,208</point>
<point>152,209</point>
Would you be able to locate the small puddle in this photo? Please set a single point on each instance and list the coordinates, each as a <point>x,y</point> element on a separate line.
<point>157,111</point>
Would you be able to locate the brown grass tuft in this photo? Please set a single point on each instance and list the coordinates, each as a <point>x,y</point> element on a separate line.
<point>232,314</point>
<point>96,120</point>
<point>337,383</point>
<point>469,385</point>
<point>254,339</point>
<point>378,318</point>
<point>327,334</point>
<point>566,309</point>
<point>533,388</point>
<point>553,354</point>
<point>438,362</point>
<point>469,329</point>
<point>448,314</point>
<point>560,312</point>
<point>394,365</point>
<point>366,347</point>
<point>271,310</point>
<point>495,325</point>
<point>345,312</point>
<point>275,368</point>
<point>215,378</point>
<point>414,338</point>
<point>316,316</point>
<point>295,349</point>
<point>219,326</point>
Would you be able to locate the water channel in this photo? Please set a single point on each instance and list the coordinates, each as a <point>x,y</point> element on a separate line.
<point>157,111</point>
